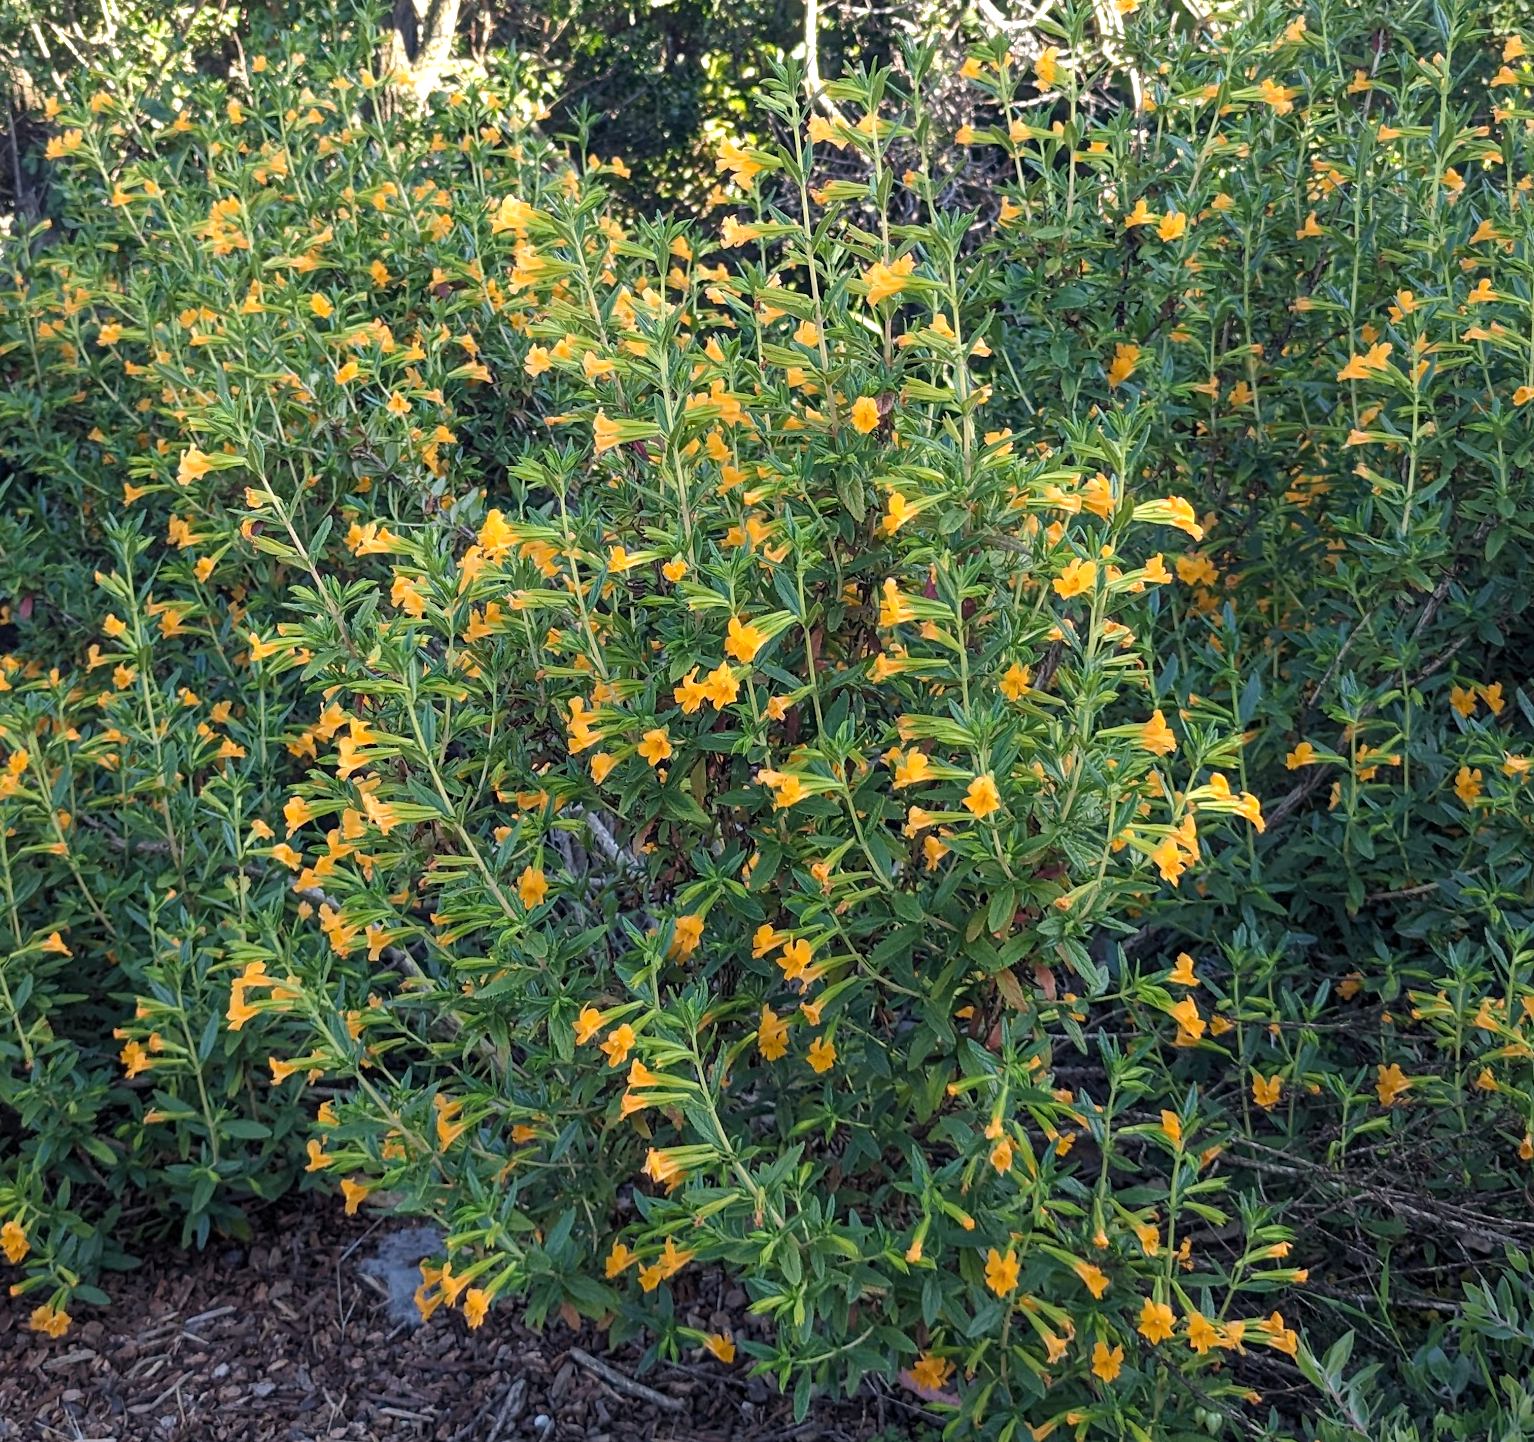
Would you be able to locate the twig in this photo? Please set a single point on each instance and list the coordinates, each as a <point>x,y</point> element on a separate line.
<point>208,1316</point>
<point>512,1403</point>
<point>1404,894</point>
<point>511,1408</point>
<point>622,1383</point>
<point>1367,1299</point>
<point>394,956</point>
<point>1448,578</point>
<point>1342,651</point>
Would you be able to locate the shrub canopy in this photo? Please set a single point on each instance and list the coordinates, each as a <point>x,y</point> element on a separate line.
<point>964,766</point>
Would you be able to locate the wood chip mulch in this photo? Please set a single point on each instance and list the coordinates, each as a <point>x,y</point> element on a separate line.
<point>282,1340</point>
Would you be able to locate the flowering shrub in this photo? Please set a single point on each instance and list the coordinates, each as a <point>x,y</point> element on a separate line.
<point>667,744</point>
<point>184,343</point>
<point>1311,301</point>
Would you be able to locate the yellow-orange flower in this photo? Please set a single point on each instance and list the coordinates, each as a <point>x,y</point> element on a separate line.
<point>1077,577</point>
<point>1002,1271</point>
<point>50,1321</point>
<point>930,1372</point>
<point>532,887</point>
<point>13,1241</point>
<point>1391,1083</point>
<point>1157,1321</point>
<point>772,1035</point>
<point>1156,736</point>
<point>1122,366</point>
<point>1107,1362</point>
<point>982,797</point>
<point>743,641</point>
<point>884,281</point>
<point>656,746</point>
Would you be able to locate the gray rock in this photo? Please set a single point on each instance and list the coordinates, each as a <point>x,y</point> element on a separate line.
<point>395,1266</point>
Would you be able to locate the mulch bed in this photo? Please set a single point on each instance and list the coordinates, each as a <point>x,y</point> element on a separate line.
<point>281,1340</point>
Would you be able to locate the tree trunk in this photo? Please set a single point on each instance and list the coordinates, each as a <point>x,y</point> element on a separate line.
<point>422,42</point>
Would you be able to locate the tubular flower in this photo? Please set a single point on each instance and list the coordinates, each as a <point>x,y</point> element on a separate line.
<point>1002,1271</point>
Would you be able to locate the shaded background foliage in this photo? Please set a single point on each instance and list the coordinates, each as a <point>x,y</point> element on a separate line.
<point>656,84</point>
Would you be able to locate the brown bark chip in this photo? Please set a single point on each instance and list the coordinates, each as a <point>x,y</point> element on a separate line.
<point>284,1340</point>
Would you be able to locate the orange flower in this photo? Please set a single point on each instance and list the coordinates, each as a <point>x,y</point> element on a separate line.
<point>532,887</point>
<point>772,1035</point>
<point>1156,736</point>
<point>1157,1321</point>
<point>911,769</point>
<point>1361,367</point>
<point>1169,859</point>
<point>899,512</point>
<point>476,1305</point>
<point>1202,1333</point>
<point>13,1241</point>
<point>930,1372</point>
<point>1002,1272</point>
<point>45,1319</point>
<point>1390,1084</point>
<point>1078,576</point>
<point>1014,685</point>
<point>1189,1023</point>
<point>1173,224</point>
<point>1266,1092</point>
<point>982,798</point>
<point>743,641</point>
<point>1095,1278</point>
<point>686,934</point>
<point>1122,366</point>
<point>616,1048</point>
<point>894,609</point>
<point>865,415</point>
<point>192,466</point>
<point>656,746</point>
<point>605,433</point>
<point>884,281</point>
<point>1278,1336</point>
<point>1107,1363</point>
<point>795,961</point>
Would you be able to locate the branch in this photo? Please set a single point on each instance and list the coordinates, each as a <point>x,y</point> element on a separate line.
<point>814,86</point>
<point>622,1383</point>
